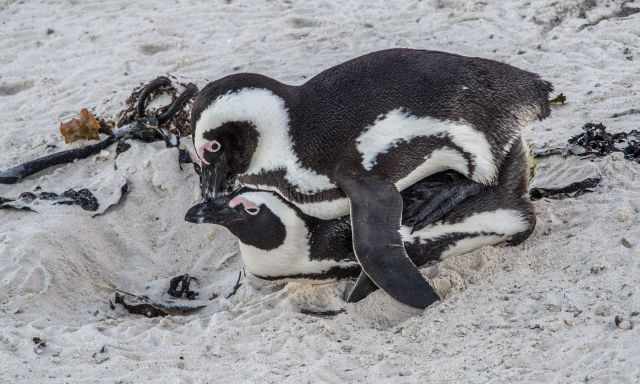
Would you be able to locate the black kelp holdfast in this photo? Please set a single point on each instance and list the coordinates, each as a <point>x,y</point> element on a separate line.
<point>147,128</point>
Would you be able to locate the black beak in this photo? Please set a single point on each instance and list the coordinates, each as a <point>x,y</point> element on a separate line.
<point>212,211</point>
<point>213,177</point>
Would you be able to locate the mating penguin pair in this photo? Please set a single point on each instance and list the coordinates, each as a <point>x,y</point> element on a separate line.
<point>351,139</point>
<point>279,242</point>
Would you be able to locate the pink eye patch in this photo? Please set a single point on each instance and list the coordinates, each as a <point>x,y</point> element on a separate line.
<point>247,204</point>
<point>211,146</point>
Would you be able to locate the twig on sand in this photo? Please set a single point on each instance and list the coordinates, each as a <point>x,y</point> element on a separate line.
<point>149,308</point>
<point>237,285</point>
<point>328,313</point>
<point>572,190</point>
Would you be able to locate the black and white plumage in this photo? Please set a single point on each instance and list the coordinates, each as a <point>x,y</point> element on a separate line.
<point>358,133</point>
<point>278,241</point>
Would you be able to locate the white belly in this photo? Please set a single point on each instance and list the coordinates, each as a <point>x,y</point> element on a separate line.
<point>284,261</point>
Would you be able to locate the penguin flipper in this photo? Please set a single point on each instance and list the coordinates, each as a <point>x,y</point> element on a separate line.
<point>376,214</point>
<point>441,200</point>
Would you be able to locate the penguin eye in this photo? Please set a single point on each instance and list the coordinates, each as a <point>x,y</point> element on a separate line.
<point>214,146</point>
<point>252,210</point>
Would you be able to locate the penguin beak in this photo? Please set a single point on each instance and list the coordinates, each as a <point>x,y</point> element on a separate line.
<point>212,211</point>
<point>213,177</point>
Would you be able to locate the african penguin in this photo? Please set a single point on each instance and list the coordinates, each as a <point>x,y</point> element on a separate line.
<point>350,139</point>
<point>279,242</point>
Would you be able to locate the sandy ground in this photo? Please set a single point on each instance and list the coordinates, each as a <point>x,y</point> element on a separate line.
<point>542,312</point>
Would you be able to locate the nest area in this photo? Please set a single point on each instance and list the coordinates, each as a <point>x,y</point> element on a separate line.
<point>179,124</point>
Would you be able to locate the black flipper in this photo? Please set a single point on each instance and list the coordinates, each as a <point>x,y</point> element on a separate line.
<point>441,200</point>
<point>376,213</point>
<point>363,287</point>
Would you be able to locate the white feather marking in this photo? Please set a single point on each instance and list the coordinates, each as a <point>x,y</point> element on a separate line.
<point>326,209</point>
<point>506,222</point>
<point>269,115</point>
<point>321,209</point>
<point>398,126</point>
<point>293,256</point>
<point>437,161</point>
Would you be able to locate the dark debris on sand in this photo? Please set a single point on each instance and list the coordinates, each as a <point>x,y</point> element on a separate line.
<point>149,308</point>
<point>168,123</point>
<point>595,141</point>
<point>180,286</point>
<point>598,142</point>
<point>179,124</point>
<point>572,190</point>
<point>83,198</point>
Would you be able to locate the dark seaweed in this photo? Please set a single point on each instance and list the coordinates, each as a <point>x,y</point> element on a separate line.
<point>179,286</point>
<point>329,313</point>
<point>145,309</point>
<point>84,198</point>
<point>572,190</point>
<point>596,141</point>
<point>150,309</point>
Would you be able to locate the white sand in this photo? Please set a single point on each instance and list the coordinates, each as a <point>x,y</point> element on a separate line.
<point>542,312</point>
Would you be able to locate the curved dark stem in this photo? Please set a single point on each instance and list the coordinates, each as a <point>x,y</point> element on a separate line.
<point>237,285</point>
<point>158,83</point>
<point>19,172</point>
<point>179,103</point>
<point>572,190</point>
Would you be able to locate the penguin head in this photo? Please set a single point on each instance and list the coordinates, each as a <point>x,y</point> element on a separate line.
<point>257,218</point>
<point>224,152</point>
<point>228,117</point>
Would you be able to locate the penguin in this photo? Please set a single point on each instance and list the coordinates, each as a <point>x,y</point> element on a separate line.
<point>352,138</point>
<point>280,242</point>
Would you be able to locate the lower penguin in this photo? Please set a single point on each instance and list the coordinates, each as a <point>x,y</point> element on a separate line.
<point>280,242</point>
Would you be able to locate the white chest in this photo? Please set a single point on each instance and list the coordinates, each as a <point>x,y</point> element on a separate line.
<point>285,262</point>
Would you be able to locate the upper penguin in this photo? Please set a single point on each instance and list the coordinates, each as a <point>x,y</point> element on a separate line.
<point>358,133</point>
